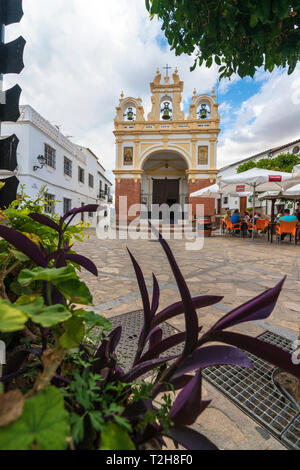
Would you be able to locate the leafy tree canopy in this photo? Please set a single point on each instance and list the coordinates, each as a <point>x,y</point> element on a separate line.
<point>239,35</point>
<point>283,162</point>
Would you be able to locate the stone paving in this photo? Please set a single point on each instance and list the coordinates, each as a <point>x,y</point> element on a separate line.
<point>235,268</point>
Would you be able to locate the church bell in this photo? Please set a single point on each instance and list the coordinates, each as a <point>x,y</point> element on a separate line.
<point>130,114</point>
<point>203,112</point>
<point>166,111</point>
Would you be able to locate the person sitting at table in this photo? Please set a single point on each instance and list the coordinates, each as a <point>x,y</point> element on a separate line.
<point>287,217</point>
<point>246,217</point>
<point>235,218</point>
<point>298,212</point>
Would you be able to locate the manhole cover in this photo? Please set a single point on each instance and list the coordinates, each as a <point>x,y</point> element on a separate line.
<point>132,324</point>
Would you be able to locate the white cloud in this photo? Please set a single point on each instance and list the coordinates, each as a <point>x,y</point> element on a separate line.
<point>268,119</point>
<point>81,54</point>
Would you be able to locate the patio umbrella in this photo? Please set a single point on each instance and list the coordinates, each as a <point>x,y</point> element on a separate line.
<point>217,191</point>
<point>258,179</point>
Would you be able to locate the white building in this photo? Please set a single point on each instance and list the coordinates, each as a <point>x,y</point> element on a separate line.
<point>229,170</point>
<point>73,174</point>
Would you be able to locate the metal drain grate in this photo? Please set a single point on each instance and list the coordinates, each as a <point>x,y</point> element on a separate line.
<point>132,324</point>
<point>253,392</point>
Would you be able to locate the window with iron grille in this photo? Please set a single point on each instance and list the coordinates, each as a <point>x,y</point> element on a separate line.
<point>67,167</point>
<point>50,203</point>
<point>91,181</point>
<point>106,190</point>
<point>80,174</point>
<point>91,214</point>
<point>50,156</point>
<point>67,205</point>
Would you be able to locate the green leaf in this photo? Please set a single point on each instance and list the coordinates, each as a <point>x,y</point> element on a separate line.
<point>263,10</point>
<point>75,291</point>
<point>11,318</point>
<point>74,333</point>
<point>114,437</point>
<point>93,319</point>
<point>217,60</point>
<point>51,316</point>
<point>44,422</point>
<point>281,8</point>
<point>19,255</point>
<point>253,20</point>
<point>48,274</point>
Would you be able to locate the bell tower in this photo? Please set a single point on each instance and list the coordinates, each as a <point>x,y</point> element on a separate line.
<point>166,157</point>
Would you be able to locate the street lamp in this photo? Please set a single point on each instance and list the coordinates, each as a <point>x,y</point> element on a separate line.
<point>42,161</point>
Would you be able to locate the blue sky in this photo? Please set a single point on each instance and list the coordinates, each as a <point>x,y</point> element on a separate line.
<point>77,66</point>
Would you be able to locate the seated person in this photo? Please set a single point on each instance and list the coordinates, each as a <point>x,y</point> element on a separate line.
<point>298,212</point>
<point>287,217</point>
<point>246,217</point>
<point>235,218</point>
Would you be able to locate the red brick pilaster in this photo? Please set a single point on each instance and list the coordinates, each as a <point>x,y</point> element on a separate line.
<point>209,203</point>
<point>131,189</point>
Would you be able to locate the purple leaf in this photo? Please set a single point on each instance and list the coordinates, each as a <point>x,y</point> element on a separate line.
<point>177,384</point>
<point>213,356</point>
<point>141,369</point>
<point>258,308</point>
<point>144,294</point>
<point>190,439</point>
<point>23,244</point>
<point>259,348</point>
<point>188,405</point>
<point>155,337</point>
<point>44,220</point>
<point>155,296</point>
<point>191,319</point>
<point>84,262</point>
<point>178,308</point>
<point>114,339</point>
<point>79,210</point>
<point>164,345</point>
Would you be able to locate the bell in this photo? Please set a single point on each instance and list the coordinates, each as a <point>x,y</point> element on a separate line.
<point>203,112</point>
<point>130,114</point>
<point>166,112</point>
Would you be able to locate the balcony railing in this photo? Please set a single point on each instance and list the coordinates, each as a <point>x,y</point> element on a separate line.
<point>102,194</point>
<point>109,199</point>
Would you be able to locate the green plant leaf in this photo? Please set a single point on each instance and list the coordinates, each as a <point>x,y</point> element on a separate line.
<point>46,274</point>
<point>44,423</point>
<point>74,333</point>
<point>94,319</point>
<point>75,291</point>
<point>19,255</point>
<point>51,316</point>
<point>114,437</point>
<point>11,318</point>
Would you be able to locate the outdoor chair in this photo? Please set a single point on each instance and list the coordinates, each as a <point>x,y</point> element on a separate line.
<point>260,225</point>
<point>233,228</point>
<point>287,228</point>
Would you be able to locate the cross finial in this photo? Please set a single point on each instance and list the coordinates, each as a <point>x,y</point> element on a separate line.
<point>167,68</point>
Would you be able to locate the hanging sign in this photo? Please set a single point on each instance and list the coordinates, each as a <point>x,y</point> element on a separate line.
<point>240,188</point>
<point>275,178</point>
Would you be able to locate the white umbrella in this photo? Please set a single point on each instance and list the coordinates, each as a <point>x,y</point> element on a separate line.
<point>216,191</point>
<point>258,179</point>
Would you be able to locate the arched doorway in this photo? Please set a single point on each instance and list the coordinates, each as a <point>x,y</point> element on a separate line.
<point>164,182</point>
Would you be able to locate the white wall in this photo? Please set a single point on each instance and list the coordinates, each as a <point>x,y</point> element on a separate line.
<point>34,132</point>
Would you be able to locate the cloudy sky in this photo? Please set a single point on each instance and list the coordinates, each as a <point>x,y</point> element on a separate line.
<point>81,54</point>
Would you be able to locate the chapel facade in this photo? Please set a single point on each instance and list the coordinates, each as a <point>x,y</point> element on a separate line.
<point>166,156</point>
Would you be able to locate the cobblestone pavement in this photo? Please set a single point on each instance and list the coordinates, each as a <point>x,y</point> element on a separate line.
<point>237,269</point>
